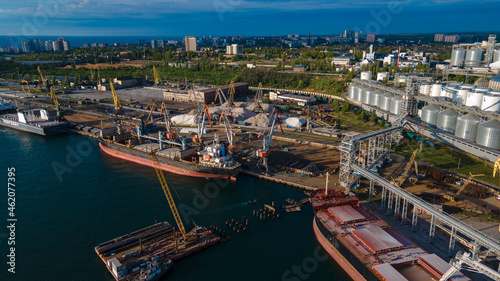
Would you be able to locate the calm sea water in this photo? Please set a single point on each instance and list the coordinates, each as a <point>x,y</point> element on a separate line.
<point>61,221</point>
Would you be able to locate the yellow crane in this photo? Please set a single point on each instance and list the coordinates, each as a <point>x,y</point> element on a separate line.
<point>401,179</point>
<point>161,177</point>
<point>157,77</point>
<point>496,169</point>
<point>24,82</point>
<point>118,105</point>
<point>42,78</point>
<point>464,185</point>
<point>231,93</point>
<point>53,97</point>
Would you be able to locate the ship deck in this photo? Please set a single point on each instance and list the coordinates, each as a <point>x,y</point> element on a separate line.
<point>383,249</point>
<point>160,239</point>
<point>33,120</point>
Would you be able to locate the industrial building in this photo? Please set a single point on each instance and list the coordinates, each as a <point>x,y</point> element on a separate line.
<point>205,95</point>
<point>291,98</point>
<point>495,82</point>
<point>475,54</point>
<point>342,61</point>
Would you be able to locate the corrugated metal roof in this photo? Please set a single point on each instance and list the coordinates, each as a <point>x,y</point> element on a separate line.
<point>495,78</point>
<point>377,239</point>
<point>441,266</point>
<point>389,273</point>
<point>346,213</point>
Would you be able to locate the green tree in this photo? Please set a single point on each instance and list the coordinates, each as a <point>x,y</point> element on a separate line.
<point>373,117</point>
<point>345,107</point>
<point>382,123</point>
<point>27,77</point>
<point>361,116</point>
<point>66,81</point>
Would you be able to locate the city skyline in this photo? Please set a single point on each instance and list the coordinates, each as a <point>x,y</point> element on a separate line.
<point>245,18</point>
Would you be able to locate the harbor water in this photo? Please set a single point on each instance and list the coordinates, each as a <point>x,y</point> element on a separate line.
<point>71,197</point>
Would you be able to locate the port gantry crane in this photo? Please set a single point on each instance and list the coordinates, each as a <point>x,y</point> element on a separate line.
<point>263,153</point>
<point>220,94</point>
<point>157,77</point>
<point>57,105</point>
<point>496,169</point>
<point>232,91</point>
<point>116,101</point>
<point>117,125</point>
<point>462,188</point>
<point>24,82</point>
<point>259,97</point>
<point>202,114</point>
<point>161,177</point>
<point>401,179</point>
<point>44,81</point>
<point>229,132</point>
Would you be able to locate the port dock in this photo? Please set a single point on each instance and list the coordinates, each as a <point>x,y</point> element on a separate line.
<point>126,255</point>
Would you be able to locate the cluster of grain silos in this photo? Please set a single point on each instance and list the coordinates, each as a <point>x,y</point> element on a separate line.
<point>467,126</point>
<point>471,57</point>
<point>465,95</point>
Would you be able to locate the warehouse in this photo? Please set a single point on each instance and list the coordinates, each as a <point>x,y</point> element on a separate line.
<point>292,98</point>
<point>205,95</point>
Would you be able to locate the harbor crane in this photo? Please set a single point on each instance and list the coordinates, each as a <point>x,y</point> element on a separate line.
<point>401,179</point>
<point>24,82</point>
<point>57,105</point>
<point>222,98</point>
<point>116,101</point>
<point>188,236</point>
<point>229,132</point>
<point>258,99</point>
<point>232,91</point>
<point>157,77</point>
<point>462,188</point>
<point>263,153</point>
<point>496,169</point>
<point>117,125</point>
<point>201,116</point>
<point>45,83</point>
<point>473,264</point>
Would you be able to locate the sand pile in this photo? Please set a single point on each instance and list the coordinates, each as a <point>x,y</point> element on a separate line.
<point>260,120</point>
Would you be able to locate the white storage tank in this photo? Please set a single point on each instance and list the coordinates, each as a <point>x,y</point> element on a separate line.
<point>474,99</point>
<point>362,94</point>
<point>474,57</point>
<point>447,120</point>
<point>359,92</point>
<point>425,89</point>
<point>491,103</point>
<point>366,75</point>
<point>457,57</point>
<point>352,89</point>
<point>460,96</point>
<point>488,134</point>
<point>376,98</point>
<point>367,97</point>
<point>396,104</point>
<point>496,57</point>
<point>436,90</point>
<point>385,102</point>
<point>382,75</point>
<point>430,114</point>
<point>467,126</point>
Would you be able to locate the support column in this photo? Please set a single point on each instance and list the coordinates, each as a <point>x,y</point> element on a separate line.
<point>404,212</point>
<point>370,199</point>
<point>498,258</point>
<point>390,198</point>
<point>432,229</point>
<point>396,206</point>
<point>414,218</point>
<point>451,246</point>
<point>383,201</point>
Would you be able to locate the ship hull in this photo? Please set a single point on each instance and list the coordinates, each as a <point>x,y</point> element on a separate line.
<point>184,170</point>
<point>43,131</point>
<point>336,255</point>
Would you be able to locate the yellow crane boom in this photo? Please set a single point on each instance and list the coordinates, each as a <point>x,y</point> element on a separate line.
<point>42,77</point>
<point>53,97</point>
<point>401,179</point>
<point>231,93</point>
<point>466,183</point>
<point>496,168</point>
<point>118,105</point>
<point>157,77</point>
<point>168,194</point>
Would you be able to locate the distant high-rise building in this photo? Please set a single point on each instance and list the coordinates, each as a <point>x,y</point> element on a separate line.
<point>234,49</point>
<point>451,38</point>
<point>141,42</point>
<point>66,45</point>
<point>438,37</point>
<point>372,37</point>
<point>190,42</point>
<point>94,45</point>
<point>56,47</point>
<point>85,45</point>
<point>27,46</point>
<point>49,46</point>
<point>154,44</point>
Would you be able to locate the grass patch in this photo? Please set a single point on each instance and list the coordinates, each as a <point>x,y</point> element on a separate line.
<point>448,158</point>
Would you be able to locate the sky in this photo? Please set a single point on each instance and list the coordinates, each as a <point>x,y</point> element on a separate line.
<point>243,17</point>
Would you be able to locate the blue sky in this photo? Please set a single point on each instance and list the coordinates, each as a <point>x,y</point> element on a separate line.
<point>242,17</point>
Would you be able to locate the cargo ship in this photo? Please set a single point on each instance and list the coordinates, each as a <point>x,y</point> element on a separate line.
<point>366,246</point>
<point>212,162</point>
<point>37,121</point>
<point>148,253</point>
